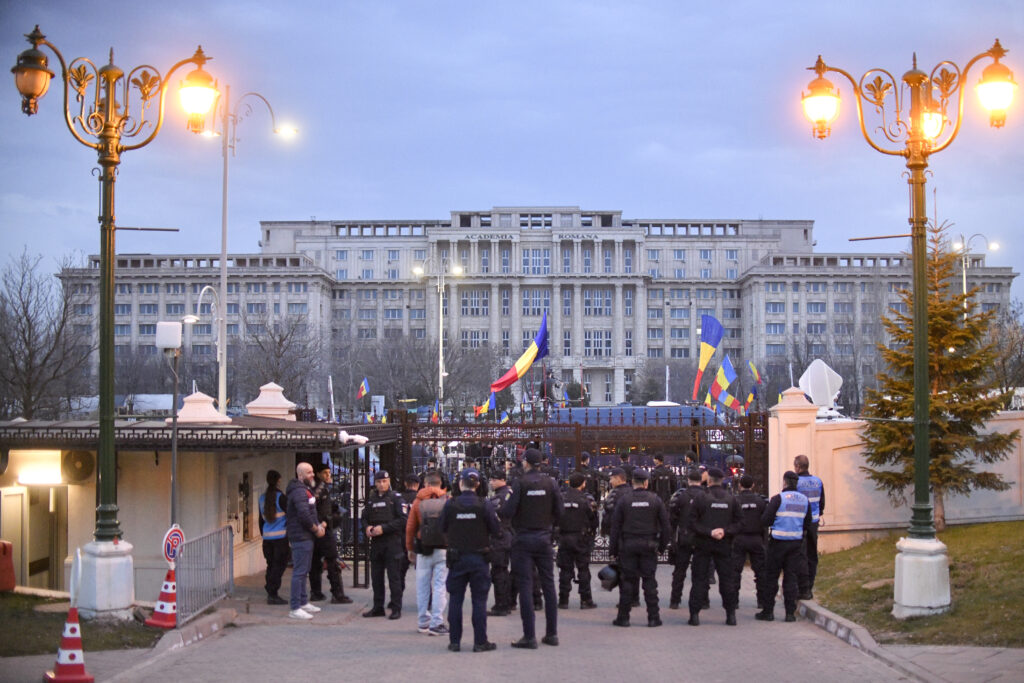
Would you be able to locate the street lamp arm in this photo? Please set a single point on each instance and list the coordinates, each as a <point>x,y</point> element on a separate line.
<point>232,117</point>
<point>879,89</point>
<point>37,39</point>
<point>199,59</point>
<point>946,88</point>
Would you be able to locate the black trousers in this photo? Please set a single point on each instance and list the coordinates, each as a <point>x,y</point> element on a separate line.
<point>573,562</point>
<point>638,559</point>
<point>275,552</point>
<point>470,569</point>
<point>809,565</point>
<point>533,550</point>
<point>386,557</point>
<point>719,554</point>
<point>752,546</point>
<point>786,558</point>
<point>501,579</point>
<point>681,556</point>
<point>324,548</point>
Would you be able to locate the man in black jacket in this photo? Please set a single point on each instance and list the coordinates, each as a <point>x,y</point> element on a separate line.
<point>663,479</point>
<point>591,476</point>
<point>575,541</point>
<point>714,519</point>
<point>640,532</point>
<point>749,540</point>
<point>500,548</point>
<point>681,551</point>
<point>326,547</point>
<point>302,528</point>
<point>384,520</point>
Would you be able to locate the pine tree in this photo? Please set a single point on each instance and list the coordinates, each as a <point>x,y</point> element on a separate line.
<point>962,394</point>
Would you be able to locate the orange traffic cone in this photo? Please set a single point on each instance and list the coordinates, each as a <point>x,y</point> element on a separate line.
<point>165,615</point>
<point>70,666</point>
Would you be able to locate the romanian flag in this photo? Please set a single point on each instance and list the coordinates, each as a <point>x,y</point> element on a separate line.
<point>435,416</point>
<point>504,416</point>
<point>754,372</point>
<point>726,376</point>
<point>707,400</point>
<point>486,407</point>
<point>538,349</point>
<point>710,336</point>
<point>363,389</point>
<point>384,419</point>
<point>750,399</point>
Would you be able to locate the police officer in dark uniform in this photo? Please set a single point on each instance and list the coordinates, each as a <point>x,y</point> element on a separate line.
<point>384,520</point>
<point>812,487</point>
<point>640,532</point>
<point>682,536</point>
<point>534,508</point>
<point>626,467</point>
<point>469,522</point>
<point>619,486</point>
<point>326,546</point>
<point>663,479</point>
<point>547,468</point>
<point>500,548</point>
<point>482,490</point>
<point>714,519</point>
<point>590,476</point>
<point>749,539</point>
<point>788,516</point>
<point>575,541</point>
<point>432,467</point>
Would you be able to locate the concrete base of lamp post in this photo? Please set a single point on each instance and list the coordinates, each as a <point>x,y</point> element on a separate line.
<point>107,585</point>
<point>922,578</point>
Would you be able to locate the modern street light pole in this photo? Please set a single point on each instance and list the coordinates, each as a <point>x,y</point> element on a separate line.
<point>443,266</point>
<point>964,247</point>
<point>230,119</point>
<point>111,106</point>
<point>924,127</point>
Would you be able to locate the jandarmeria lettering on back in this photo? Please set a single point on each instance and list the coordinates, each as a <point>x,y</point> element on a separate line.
<point>466,515</point>
<point>641,504</point>
<point>719,505</point>
<point>537,492</point>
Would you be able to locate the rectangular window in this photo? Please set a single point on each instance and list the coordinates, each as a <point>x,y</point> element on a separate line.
<point>627,302</point>
<point>627,340</point>
<point>202,350</point>
<point>298,287</point>
<point>901,307</point>
<point>842,307</point>
<point>775,328</point>
<point>655,333</point>
<point>843,328</point>
<point>815,307</point>
<point>597,301</point>
<point>151,288</point>
<point>627,261</point>
<point>232,329</point>
<point>816,349</point>
<point>597,343</point>
<point>485,260</point>
<point>567,302</point>
<point>732,273</point>
<point>232,309</point>
<point>298,309</point>
<point>705,254</point>
<point>536,301</point>
<point>653,254</point>
<point>392,254</point>
<point>256,308</point>
<point>815,328</point>
<point>174,288</point>
<point>505,343</point>
<point>844,349</point>
<point>234,287</point>
<point>775,349</point>
<point>843,287</point>
<point>367,274</point>
<point>122,309</point>
<point>566,260</point>
<point>366,255</point>
<point>341,255</point>
<point>701,312</point>
<point>588,260</point>
<point>607,260</point>
<point>775,287</point>
<point>679,333</point>
<point>732,254</point>
<point>126,330</point>
<point>706,293</point>
<point>205,309</point>
<point>869,308</point>
<point>506,261</point>
<point>705,273</point>
<point>419,254</point>
<point>774,307</point>
<point>655,352</point>
<point>367,333</point>
<point>505,296</point>
<point>679,313</point>
<point>123,289</point>
<point>417,314</point>
<point>256,287</point>
<point>731,313</point>
<point>655,313</point>
<point>147,329</point>
<point>367,313</point>
<point>680,352</point>
<point>679,254</point>
<point>202,329</point>
<point>175,309</point>
<point>566,343</point>
<point>476,302</point>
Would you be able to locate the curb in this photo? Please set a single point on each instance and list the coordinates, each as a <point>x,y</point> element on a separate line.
<point>175,639</point>
<point>859,637</point>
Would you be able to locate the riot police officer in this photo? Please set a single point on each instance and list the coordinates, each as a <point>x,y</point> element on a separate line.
<point>663,479</point>
<point>619,486</point>
<point>326,547</point>
<point>500,547</point>
<point>788,514</point>
<point>640,532</point>
<point>470,523</point>
<point>575,542</point>
<point>681,551</point>
<point>714,518</point>
<point>749,539</point>
<point>534,508</point>
<point>547,468</point>
<point>812,487</point>
<point>384,520</point>
<point>590,476</point>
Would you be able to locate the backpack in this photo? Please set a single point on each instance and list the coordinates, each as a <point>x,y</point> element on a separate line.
<point>431,536</point>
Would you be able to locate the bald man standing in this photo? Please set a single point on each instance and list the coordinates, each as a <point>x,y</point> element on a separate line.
<point>303,526</point>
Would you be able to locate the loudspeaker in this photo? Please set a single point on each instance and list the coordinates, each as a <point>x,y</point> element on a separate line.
<point>77,466</point>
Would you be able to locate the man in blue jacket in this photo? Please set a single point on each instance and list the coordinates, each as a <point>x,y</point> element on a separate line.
<point>302,527</point>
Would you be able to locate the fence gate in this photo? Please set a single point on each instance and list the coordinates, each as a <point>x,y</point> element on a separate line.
<point>205,571</point>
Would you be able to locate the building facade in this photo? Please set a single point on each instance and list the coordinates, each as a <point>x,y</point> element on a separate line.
<point>617,290</point>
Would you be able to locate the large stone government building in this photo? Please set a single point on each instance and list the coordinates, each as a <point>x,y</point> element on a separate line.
<point>617,290</point>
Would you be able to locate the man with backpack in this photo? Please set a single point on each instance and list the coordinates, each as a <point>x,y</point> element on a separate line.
<point>427,548</point>
<point>663,479</point>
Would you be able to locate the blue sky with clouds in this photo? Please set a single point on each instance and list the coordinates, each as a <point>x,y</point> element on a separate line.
<point>410,110</point>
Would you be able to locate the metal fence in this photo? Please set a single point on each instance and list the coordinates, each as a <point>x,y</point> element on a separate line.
<point>205,571</point>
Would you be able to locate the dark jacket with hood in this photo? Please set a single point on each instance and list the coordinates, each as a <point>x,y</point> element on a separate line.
<point>301,512</point>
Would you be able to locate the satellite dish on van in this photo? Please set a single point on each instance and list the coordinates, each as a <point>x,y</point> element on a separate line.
<point>821,383</point>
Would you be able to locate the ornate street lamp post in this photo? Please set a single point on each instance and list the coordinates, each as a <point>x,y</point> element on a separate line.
<point>443,267</point>
<point>110,107</point>
<point>924,125</point>
<point>230,118</point>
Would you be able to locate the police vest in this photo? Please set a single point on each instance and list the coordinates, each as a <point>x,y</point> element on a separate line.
<point>575,509</point>
<point>640,516</point>
<point>379,509</point>
<point>467,526</point>
<point>751,507</point>
<point>273,529</point>
<point>536,491</point>
<point>811,486</point>
<point>661,482</point>
<point>789,519</point>
<point>716,507</point>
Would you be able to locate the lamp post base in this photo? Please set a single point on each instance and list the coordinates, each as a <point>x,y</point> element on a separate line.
<point>922,578</point>
<point>107,588</point>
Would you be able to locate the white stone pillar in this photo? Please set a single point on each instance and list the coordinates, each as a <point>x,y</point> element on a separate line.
<point>791,426</point>
<point>921,585</point>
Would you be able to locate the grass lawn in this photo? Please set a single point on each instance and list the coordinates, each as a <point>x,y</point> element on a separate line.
<point>986,574</point>
<point>24,631</point>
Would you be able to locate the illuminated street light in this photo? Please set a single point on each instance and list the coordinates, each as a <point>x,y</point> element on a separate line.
<point>439,270</point>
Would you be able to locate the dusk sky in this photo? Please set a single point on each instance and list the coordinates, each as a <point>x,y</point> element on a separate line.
<point>408,110</point>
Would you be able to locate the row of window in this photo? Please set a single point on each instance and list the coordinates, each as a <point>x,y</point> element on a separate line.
<point>839,307</point>
<point>179,287</point>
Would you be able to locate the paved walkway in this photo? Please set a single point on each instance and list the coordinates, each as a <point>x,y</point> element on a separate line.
<point>267,646</point>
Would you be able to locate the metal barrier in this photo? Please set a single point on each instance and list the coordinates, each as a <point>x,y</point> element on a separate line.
<point>205,572</point>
